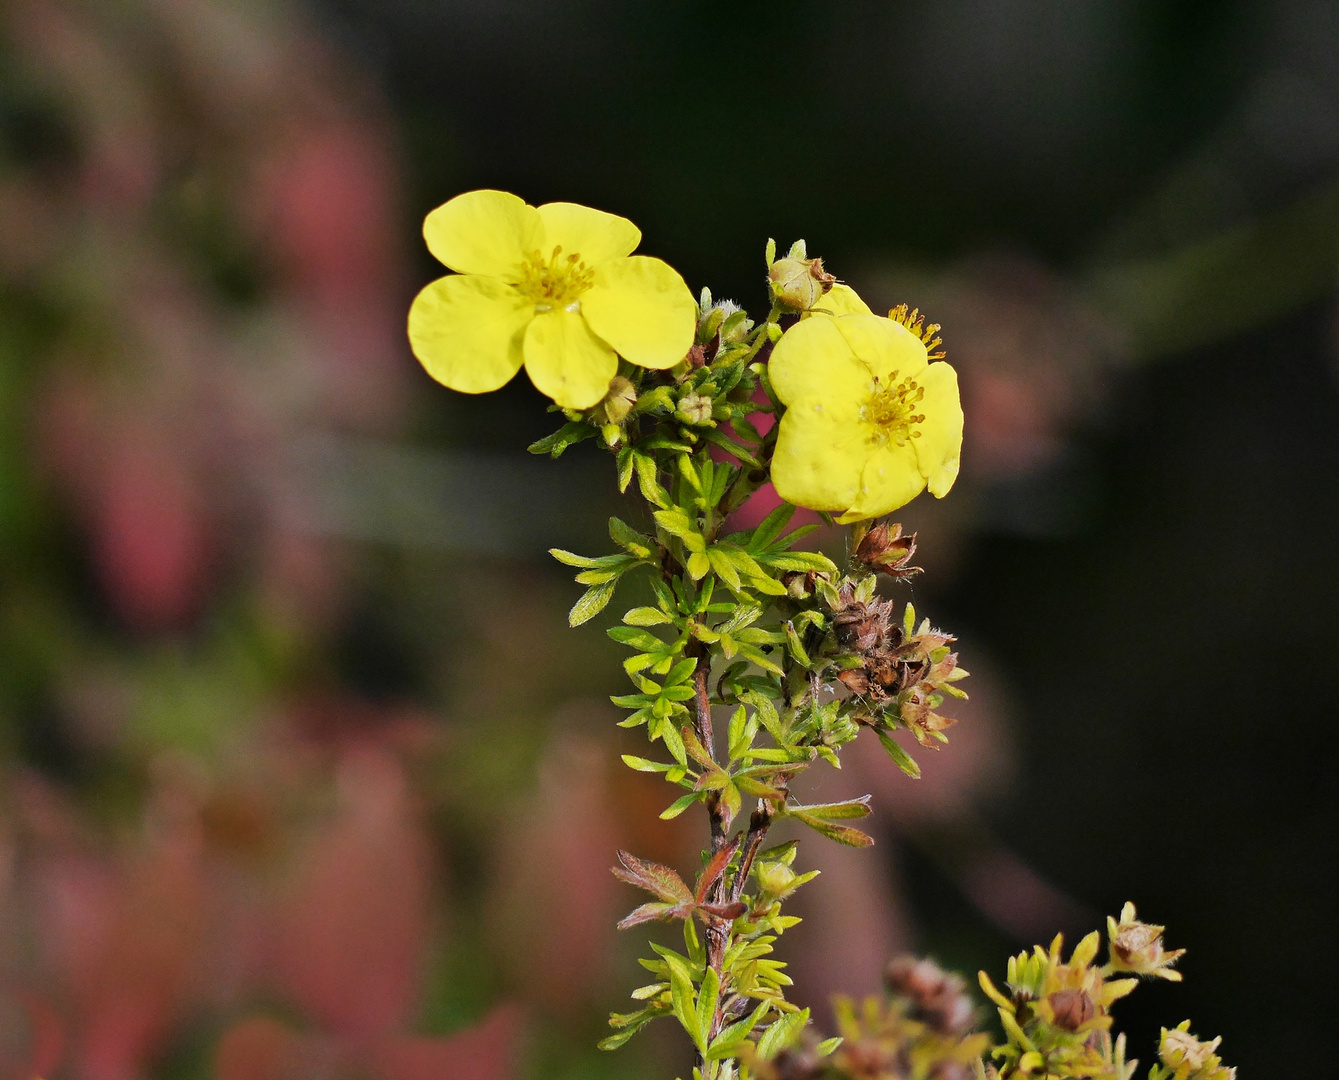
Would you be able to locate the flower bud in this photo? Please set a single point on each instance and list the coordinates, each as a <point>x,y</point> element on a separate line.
<point>775,878</point>
<point>798,283</point>
<point>1071,1009</point>
<point>694,409</point>
<point>620,399</point>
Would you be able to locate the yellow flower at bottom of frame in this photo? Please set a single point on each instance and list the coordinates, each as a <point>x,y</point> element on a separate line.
<point>553,288</point>
<point>870,422</point>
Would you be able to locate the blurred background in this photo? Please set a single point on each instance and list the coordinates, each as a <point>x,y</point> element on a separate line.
<point>302,773</point>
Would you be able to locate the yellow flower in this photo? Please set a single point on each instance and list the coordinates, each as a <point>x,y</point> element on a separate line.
<point>870,421</point>
<point>552,288</point>
<point>839,300</point>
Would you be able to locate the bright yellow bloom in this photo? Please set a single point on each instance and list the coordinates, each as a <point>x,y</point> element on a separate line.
<point>839,300</point>
<point>870,422</point>
<point>552,288</point>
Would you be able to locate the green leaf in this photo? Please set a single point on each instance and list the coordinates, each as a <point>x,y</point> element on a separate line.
<point>677,523</point>
<point>800,560</point>
<point>730,446</point>
<point>750,786</point>
<point>741,733</point>
<point>694,746</point>
<point>647,480</point>
<point>770,528</point>
<point>642,764</point>
<point>628,538</point>
<point>698,565</point>
<point>669,733</point>
<point>782,1034</point>
<point>682,671</point>
<point>598,577</point>
<point>637,638</point>
<point>708,998</point>
<point>602,562</point>
<point>646,616</point>
<point>900,757</point>
<point>767,585</point>
<point>560,440</point>
<point>692,941</point>
<point>742,560</point>
<point>835,811</point>
<point>659,397</point>
<point>624,468</point>
<point>827,1046</point>
<point>628,1024</point>
<point>759,658</point>
<point>730,1038</point>
<point>683,998</point>
<point>795,646</point>
<point>725,569</point>
<point>594,601</point>
<point>689,473</point>
<point>843,834</point>
<point>679,805</point>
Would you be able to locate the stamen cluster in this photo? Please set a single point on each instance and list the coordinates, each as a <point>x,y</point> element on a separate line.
<point>555,282</point>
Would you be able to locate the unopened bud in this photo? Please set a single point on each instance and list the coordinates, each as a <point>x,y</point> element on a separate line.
<point>799,283</point>
<point>620,399</point>
<point>694,409</point>
<point>1071,1009</point>
<point>775,878</point>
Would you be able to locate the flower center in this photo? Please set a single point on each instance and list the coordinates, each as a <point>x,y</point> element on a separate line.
<point>556,282</point>
<point>892,410</point>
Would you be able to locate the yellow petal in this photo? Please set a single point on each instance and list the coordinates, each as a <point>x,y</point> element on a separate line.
<point>819,460</point>
<point>467,330</point>
<point>484,232</point>
<point>939,447</point>
<point>891,478</point>
<point>885,346</point>
<point>566,361</point>
<point>814,360</point>
<point>592,234</point>
<point>839,300</point>
<point>643,309</point>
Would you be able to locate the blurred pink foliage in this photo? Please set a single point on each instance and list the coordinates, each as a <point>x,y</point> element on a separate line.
<point>286,861</point>
<point>211,901</point>
<point>170,412</point>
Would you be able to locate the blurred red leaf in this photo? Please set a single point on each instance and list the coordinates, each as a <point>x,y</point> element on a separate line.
<point>356,924</point>
<point>483,1052</point>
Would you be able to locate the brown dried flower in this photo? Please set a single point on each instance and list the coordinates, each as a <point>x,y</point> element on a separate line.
<point>884,548</point>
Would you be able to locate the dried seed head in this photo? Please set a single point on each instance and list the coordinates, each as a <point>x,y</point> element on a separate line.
<point>1191,1059</point>
<point>936,997</point>
<point>1137,946</point>
<point>884,548</point>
